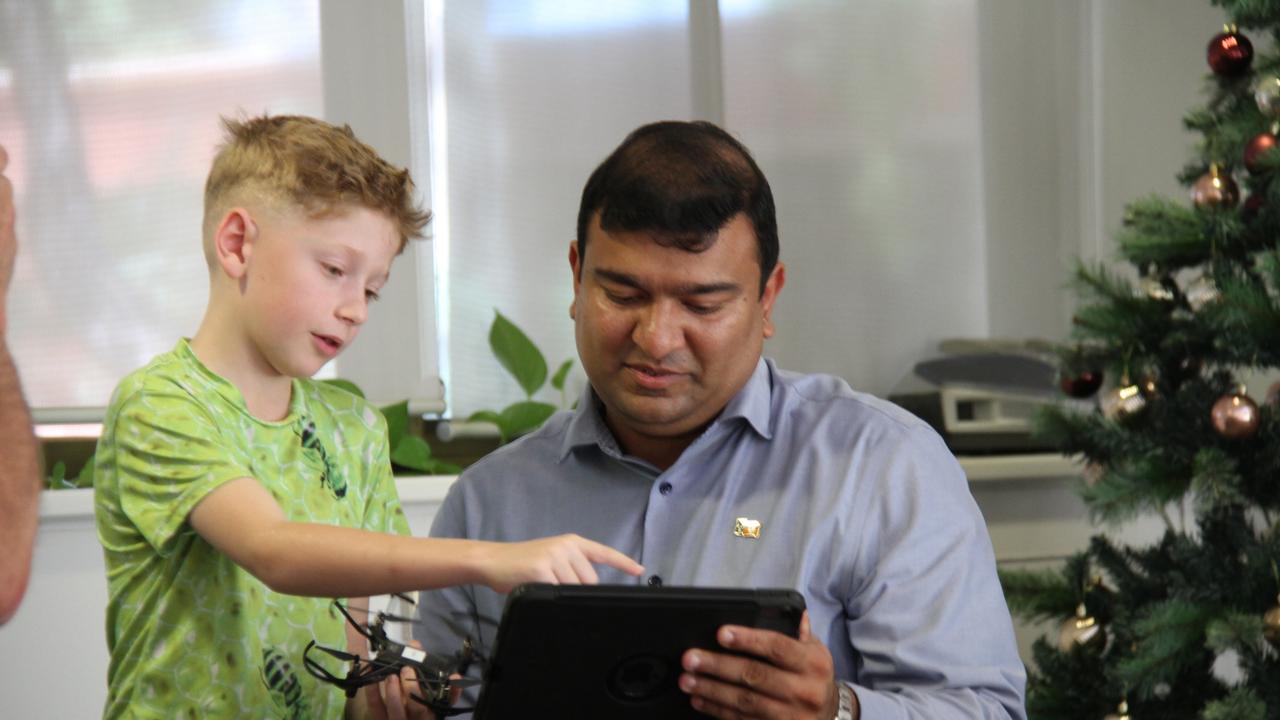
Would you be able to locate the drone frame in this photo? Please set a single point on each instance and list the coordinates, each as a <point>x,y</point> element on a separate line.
<point>434,674</point>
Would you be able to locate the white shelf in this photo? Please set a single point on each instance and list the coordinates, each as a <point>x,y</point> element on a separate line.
<point>1039,466</point>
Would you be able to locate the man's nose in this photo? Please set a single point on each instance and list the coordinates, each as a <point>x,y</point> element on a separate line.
<point>658,330</point>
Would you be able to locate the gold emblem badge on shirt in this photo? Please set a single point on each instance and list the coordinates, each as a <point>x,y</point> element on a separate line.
<point>746,528</point>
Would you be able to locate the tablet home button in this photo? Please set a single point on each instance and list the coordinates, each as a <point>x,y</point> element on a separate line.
<point>655,580</point>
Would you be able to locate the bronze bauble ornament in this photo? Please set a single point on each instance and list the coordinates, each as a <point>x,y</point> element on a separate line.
<point>1236,416</point>
<point>1271,625</point>
<point>1215,189</point>
<point>1081,631</point>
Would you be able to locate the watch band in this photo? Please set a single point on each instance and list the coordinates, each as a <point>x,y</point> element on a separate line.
<point>844,711</point>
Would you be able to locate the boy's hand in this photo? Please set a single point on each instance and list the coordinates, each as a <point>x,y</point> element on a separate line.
<point>563,559</point>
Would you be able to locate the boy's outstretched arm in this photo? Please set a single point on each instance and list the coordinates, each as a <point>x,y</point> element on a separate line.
<point>242,520</point>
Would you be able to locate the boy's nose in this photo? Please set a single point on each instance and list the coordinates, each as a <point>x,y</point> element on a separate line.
<point>354,311</point>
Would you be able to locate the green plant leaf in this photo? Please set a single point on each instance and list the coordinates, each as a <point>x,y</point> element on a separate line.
<point>518,354</point>
<point>557,380</point>
<point>522,417</point>
<point>85,478</point>
<point>491,417</point>
<point>412,452</point>
<point>57,476</point>
<point>397,416</point>
<point>345,385</point>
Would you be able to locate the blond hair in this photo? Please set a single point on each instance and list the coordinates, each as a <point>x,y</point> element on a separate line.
<point>309,164</point>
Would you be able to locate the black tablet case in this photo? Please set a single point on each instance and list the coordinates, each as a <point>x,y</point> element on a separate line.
<point>613,651</point>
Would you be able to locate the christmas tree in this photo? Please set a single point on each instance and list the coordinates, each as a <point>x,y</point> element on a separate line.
<point>1188,627</point>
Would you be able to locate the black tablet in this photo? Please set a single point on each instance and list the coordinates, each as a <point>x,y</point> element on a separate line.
<point>613,651</point>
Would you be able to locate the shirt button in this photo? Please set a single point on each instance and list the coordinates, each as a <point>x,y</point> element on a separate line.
<point>655,581</point>
<point>665,488</point>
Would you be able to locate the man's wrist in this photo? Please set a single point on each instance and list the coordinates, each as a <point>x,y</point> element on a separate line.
<point>846,703</point>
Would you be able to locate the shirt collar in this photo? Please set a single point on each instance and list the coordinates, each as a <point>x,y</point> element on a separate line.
<point>232,395</point>
<point>752,403</point>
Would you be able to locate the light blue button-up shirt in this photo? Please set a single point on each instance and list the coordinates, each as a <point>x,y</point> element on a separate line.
<point>861,508</point>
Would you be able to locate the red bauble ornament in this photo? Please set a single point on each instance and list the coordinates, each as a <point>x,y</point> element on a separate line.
<point>1260,145</point>
<point>1235,416</point>
<point>1229,53</point>
<point>1083,385</point>
<point>1215,189</point>
<point>1252,205</point>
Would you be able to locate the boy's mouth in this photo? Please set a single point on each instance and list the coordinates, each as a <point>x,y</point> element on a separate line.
<point>328,344</point>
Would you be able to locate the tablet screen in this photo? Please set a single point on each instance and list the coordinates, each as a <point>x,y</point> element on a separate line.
<point>613,651</point>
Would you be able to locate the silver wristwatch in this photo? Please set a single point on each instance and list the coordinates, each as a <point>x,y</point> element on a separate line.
<point>844,710</point>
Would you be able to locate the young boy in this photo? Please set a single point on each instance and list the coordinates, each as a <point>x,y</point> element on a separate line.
<point>234,495</point>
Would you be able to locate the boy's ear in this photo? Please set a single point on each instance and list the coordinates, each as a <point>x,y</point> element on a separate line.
<point>233,241</point>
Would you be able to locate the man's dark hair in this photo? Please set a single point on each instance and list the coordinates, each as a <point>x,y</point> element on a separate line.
<point>681,181</point>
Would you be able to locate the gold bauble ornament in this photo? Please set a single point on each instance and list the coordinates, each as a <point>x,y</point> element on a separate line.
<point>1266,92</point>
<point>1201,292</point>
<point>1083,630</point>
<point>1121,713</point>
<point>1271,625</point>
<point>1157,287</point>
<point>1123,402</point>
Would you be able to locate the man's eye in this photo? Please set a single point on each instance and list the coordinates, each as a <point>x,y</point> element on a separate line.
<point>701,309</point>
<point>623,299</point>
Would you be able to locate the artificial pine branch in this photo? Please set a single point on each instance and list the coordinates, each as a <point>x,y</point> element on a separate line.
<point>1239,704</point>
<point>1163,233</point>
<point>1038,594</point>
<point>1170,641</point>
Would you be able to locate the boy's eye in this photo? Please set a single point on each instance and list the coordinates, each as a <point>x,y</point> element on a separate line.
<point>333,270</point>
<point>371,295</point>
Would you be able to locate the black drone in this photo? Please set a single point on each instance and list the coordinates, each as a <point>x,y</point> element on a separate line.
<point>435,673</point>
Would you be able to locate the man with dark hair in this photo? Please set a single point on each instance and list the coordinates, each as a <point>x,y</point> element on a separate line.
<point>705,462</point>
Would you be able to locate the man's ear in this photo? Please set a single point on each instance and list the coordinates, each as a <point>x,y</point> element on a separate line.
<point>575,267</point>
<point>233,241</point>
<point>772,287</point>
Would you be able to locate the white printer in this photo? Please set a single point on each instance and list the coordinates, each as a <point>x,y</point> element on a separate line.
<point>981,395</point>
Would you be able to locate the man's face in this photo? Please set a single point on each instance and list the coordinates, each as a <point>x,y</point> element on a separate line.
<point>310,281</point>
<point>667,336</point>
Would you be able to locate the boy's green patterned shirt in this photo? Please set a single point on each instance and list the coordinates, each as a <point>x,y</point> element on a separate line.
<point>191,634</point>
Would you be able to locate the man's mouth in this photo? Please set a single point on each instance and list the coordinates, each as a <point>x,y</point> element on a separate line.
<point>652,378</point>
